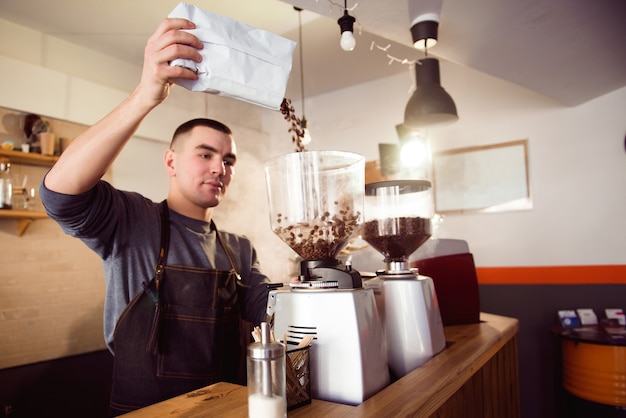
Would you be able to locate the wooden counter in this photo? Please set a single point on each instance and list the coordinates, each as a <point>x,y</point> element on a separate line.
<point>475,376</point>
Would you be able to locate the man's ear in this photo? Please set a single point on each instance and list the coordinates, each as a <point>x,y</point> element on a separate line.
<point>169,160</point>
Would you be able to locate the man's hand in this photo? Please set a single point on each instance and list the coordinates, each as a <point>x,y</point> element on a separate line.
<point>93,152</point>
<point>168,42</point>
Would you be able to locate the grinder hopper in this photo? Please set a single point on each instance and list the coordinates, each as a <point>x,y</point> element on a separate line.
<point>316,205</point>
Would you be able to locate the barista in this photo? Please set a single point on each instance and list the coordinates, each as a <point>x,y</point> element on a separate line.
<point>175,285</point>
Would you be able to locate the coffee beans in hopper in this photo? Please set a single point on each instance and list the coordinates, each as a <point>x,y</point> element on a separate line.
<point>397,238</point>
<point>322,238</point>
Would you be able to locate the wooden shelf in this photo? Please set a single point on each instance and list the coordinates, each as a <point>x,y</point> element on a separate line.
<point>29,158</point>
<point>24,217</point>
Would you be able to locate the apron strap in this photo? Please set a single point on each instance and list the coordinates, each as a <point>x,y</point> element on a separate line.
<point>160,267</point>
<point>153,340</point>
<point>165,243</point>
<point>233,265</point>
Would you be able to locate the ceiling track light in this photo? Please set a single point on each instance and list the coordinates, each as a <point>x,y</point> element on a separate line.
<point>425,32</point>
<point>424,22</point>
<point>346,24</point>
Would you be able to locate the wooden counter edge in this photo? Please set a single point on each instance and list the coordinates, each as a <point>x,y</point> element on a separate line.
<point>419,393</point>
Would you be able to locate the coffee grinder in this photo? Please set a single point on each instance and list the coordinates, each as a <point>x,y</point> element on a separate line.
<point>398,217</point>
<point>316,207</point>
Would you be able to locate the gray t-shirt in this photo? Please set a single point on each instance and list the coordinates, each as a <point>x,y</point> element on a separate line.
<point>123,228</point>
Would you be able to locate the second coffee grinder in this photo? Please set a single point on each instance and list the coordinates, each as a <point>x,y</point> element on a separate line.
<point>398,217</point>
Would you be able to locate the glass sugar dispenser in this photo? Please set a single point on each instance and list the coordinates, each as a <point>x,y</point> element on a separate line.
<point>267,393</point>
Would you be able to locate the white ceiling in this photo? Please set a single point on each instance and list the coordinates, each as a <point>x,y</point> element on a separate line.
<point>570,50</point>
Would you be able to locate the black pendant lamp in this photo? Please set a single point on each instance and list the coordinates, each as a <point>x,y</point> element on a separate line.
<point>430,104</point>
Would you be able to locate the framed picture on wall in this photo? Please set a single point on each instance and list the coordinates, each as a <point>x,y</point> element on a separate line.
<point>489,178</point>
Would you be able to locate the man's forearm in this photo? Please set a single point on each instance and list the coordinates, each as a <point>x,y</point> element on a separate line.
<point>90,155</point>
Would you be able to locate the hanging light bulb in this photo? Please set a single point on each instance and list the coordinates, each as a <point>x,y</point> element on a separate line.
<point>306,138</point>
<point>415,154</point>
<point>347,40</point>
<point>346,24</point>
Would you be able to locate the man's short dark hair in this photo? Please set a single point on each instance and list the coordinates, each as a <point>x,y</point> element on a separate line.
<point>190,124</point>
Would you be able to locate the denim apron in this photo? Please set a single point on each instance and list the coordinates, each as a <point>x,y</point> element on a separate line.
<point>180,334</point>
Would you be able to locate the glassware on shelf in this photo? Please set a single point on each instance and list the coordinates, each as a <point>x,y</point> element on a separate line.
<point>23,197</point>
<point>6,184</point>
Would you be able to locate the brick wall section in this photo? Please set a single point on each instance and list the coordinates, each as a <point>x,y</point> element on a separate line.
<point>51,289</point>
<point>51,295</point>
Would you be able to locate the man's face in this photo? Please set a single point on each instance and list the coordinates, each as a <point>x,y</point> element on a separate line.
<point>201,166</point>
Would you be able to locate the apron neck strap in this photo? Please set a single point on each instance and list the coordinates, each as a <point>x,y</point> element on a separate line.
<point>165,241</point>
<point>233,265</point>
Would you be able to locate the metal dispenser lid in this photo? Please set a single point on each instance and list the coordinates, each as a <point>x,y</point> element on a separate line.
<point>265,350</point>
<point>405,186</point>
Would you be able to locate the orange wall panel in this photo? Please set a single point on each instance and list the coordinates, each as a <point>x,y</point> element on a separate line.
<point>600,274</point>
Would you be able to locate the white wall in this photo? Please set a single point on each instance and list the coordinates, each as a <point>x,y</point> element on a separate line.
<point>577,162</point>
<point>577,159</point>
